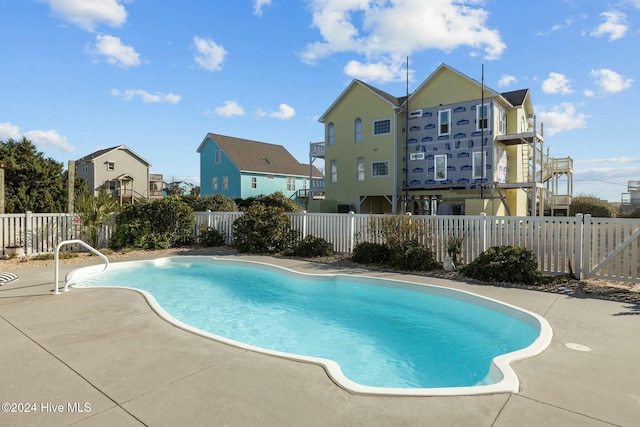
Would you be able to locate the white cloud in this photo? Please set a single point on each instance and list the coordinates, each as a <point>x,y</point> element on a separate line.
<point>386,32</point>
<point>42,139</point>
<point>610,81</point>
<point>229,109</point>
<point>259,5</point>
<point>210,54</point>
<point>115,52</point>
<point>556,83</point>
<point>562,118</point>
<point>9,131</point>
<point>382,72</point>
<point>158,97</point>
<point>634,3</point>
<point>285,112</point>
<point>506,80</point>
<point>614,25</point>
<point>88,14</point>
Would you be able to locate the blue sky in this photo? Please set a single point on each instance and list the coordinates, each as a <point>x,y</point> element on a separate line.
<point>80,75</point>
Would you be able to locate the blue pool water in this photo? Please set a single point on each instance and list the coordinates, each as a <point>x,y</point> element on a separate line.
<point>381,333</point>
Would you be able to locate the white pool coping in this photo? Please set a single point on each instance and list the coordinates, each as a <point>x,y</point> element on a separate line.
<point>502,375</point>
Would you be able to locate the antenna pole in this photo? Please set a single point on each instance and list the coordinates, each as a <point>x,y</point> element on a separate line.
<point>406,144</point>
<point>482,167</point>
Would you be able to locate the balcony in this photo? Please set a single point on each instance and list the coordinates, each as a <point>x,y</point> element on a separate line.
<point>317,185</point>
<point>316,149</point>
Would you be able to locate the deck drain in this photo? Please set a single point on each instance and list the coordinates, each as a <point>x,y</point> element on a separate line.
<point>577,347</point>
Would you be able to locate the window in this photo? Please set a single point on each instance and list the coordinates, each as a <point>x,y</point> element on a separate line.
<point>479,169</point>
<point>333,170</point>
<point>482,117</point>
<point>304,183</point>
<point>85,168</point>
<point>225,182</point>
<point>382,127</point>
<point>218,156</point>
<point>358,130</point>
<point>502,121</point>
<point>254,183</point>
<point>214,182</point>
<point>440,169</point>
<point>331,133</point>
<point>111,166</point>
<point>112,186</point>
<point>291,183</point>
<point>380,168</point>
<point>444,119</point>
<point>360,169</point>
<point>523,128</point>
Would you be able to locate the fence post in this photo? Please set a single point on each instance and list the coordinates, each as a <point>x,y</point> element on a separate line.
<point>351,231</point>
<point>586,247</point>
<point>27,234</point>
<point>304,224</point>
<point>577,256</point>
<point>483,232</point>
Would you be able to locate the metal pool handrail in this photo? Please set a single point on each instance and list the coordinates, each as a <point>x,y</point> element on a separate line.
<point>80,242</point>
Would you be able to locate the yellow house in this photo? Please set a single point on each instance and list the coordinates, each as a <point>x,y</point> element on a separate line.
<point>454,146</point>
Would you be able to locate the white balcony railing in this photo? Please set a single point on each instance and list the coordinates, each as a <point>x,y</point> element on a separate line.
<point>316,149</point>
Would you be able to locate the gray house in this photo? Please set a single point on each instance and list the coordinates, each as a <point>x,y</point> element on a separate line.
<point>122,172</point>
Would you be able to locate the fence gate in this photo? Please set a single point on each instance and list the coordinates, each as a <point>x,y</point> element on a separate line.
<point>611,249</point>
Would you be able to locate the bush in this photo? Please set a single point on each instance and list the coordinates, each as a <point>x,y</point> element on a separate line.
<point>275,200</point>
<point>510,264</point>
<point>397,229</point>
<point>214,203</point>
<point>159,224</point>
<point>312,247</point>
<point>210,237</point>
<point>411,255</point>
<point>591,205</point>
<point>371,253</point>
<point>263,229</point>
<point>633,214</point>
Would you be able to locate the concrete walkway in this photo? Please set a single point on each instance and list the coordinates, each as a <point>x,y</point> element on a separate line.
<point>101,357</point>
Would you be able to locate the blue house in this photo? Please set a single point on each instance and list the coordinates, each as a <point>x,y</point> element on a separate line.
<point>240,168</point>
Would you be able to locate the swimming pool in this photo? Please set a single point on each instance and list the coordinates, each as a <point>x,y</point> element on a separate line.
<point>372,335</point>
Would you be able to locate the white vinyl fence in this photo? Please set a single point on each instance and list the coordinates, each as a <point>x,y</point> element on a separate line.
<point>603,248</point>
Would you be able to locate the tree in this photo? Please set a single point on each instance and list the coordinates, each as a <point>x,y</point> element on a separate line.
<point>32,182</point>
<point>94,211</point>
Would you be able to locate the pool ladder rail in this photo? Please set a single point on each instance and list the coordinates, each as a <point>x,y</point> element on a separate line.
<point>57,256</point>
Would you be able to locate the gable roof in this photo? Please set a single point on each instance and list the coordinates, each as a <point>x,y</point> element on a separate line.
<point>516,97</point>
<point>105,151</point>
<point>258,156</point>
<point>392,100</point>
<point>444,67</point>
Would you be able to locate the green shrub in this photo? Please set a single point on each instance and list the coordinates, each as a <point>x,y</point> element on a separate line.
<point>159,224</point>
<point>371,253</point>
<point>210,237</point>
<point>591,205</point>
<point>263,229</point>
<point>397,229</point>
<point>510,264</point>
<point>633,214</point>
<point>275,200</point>
<point>213,203</point>
<point>312,247</point>
<point>411,255</point>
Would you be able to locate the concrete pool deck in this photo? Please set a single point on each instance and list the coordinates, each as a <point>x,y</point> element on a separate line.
<point>94,357</point>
